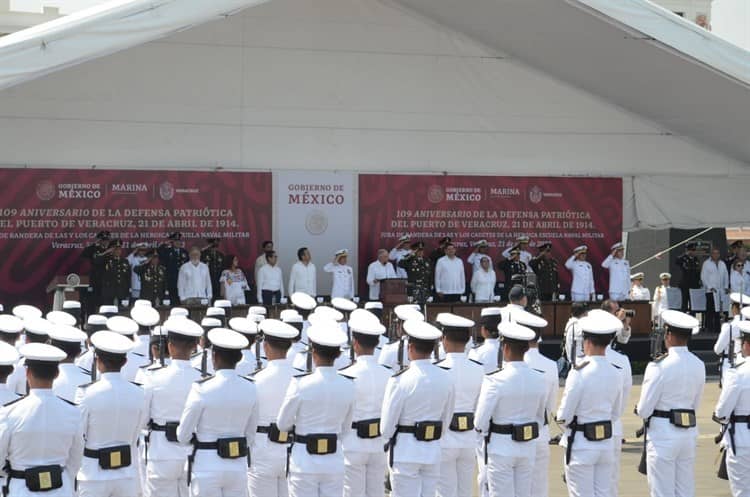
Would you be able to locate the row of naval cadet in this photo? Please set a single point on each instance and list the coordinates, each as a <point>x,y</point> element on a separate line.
<point>199,425</point>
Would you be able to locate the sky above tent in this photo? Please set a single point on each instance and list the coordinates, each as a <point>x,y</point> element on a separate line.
<point>730,18</point>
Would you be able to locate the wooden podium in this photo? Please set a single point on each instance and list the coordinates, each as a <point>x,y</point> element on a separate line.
<point>393,291</point>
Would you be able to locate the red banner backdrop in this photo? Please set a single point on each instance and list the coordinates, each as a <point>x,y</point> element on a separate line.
<point>47,217</point>
<point>564,211</point>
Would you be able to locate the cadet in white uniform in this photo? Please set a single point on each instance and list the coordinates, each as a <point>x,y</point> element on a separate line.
<point>70,377</point>
<point>37,331</point>
<point>249,363</point>
<point>94,323</point>
<point>394,354</point>
<point>113,412</point>
<point>10,333</point>
<point>8,358</point>
<point>128,327</point>
<point>418,408</point>
<point>728,346</point>
<point>166,390</point>
<point>220,417</point>
<point>661,297</point>
<point>363,446</point>
<point>619,272</point>
<point>733,411</point>
<point>343,276</point>
<point>487,353</point>
<point>459,442</point>
<point>267,472</point>
<point>41,457</point>
<point>203,359</point>
<point>582,287</point>
<point>509,415</point>
<point>319,406</point>
<point>548,367</point>
<point>588,409</point>
<point>670,395</point>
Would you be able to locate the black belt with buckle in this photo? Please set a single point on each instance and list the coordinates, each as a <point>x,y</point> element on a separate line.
<point>169,429</point>
<point>462,421</point>
<point>525,432</point>
<point>681,418</point>
<point>740,419</point>
<point>110,457</point>
<point>38,478</point>
<point>274,434</point>
<point>367,428</point>
<point>424,431</point>
<point>318,444</point>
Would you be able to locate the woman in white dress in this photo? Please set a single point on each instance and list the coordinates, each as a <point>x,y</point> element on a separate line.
<point>483,281</point>
<point>737,280</point>
<point>233,282</point>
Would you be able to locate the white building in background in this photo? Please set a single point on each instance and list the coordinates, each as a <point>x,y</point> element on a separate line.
<point>697,11</point>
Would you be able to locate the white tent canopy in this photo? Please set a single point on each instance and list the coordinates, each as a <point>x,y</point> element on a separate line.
<point>520,87</point>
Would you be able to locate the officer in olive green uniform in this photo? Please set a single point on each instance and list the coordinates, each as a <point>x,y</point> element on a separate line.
<point>545,268</point>
<point>690,265</point>
<point>115,274</point>
<point>94,294</point>
<point>173,255</point>
<point>153,278</point>
<point>419,273</point>
<point>215,260</point>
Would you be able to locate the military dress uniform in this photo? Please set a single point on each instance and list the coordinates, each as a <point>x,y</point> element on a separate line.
<point>670,395</point>
<point>70,375</point>
<point>459,442</point>
<point>220,417</point>
<point>619,274</point>
<point>394,353</point>
<point>166,389</point>
<point>153,282</point>
<point>138,355</point>
<point>582,287</point>
<point>509,415</point>
<point>588,408</point>
<point>511,268</point>
<point>319,406</point>
<point>267,472</point>
<point>215,260</point>
<point>417,409</point>
<point>733,411</point>
<point>41,457</point>
<point>8,358</point>
<point>488,352</point>
<point>173,258</point>
<point>547,278</point>
<point>691,276</point>
<point>92,253</point>
<point>115,278</point>
<point>364,461</point>
<point>419,275</point>
<point>113,411</point>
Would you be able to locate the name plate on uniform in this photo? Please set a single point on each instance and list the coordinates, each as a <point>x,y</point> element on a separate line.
<point>45,481</point>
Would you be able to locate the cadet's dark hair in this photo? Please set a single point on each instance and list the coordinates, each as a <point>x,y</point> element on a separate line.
<point>300,252</point>
<point>518,347</point>
<point>422,346</point>
<point>599,340</point>
<point>281,344</point>
<point>490,323</point>
<point>183,340</point>
<point>71,349</point>
<point>112,362</point>
<point>327,353</point>
<point>745,337</point>
<point>458,335</point>
<point>46,371</point>
<point>366,341</point>
<point>228,356</point>
<point>5,371</point>
<point>578,309</point>
<point>266,242</point>
<point>34,338</point>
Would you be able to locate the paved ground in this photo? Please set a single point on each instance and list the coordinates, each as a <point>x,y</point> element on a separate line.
<point>632,483</point>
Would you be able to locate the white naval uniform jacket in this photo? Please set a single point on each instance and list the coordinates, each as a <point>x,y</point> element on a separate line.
<point>674,381</point>
<point>166,390</point>
<point>486,354</point>
<point>395,255</point>
<point>343,280</point>
<point>589,397</point>
<point>271,384</point>
<point>622,363</point>
<point>29,439</point>
<point>137,357</point>
<point>515,394</point>
<point>583,276</point>
<point>221,406</point>
<point>539,362</point>
<point>389,354</point>
<point>321,402</point>
<point>619,275</point>
<point>730,329</point>
<point>113,411</point>
<point>370,379</point>
<point>6,394</point>
<point>467,376</point>
<point>422,392</point>
<point>68,380</point>
<point>735,399</point>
